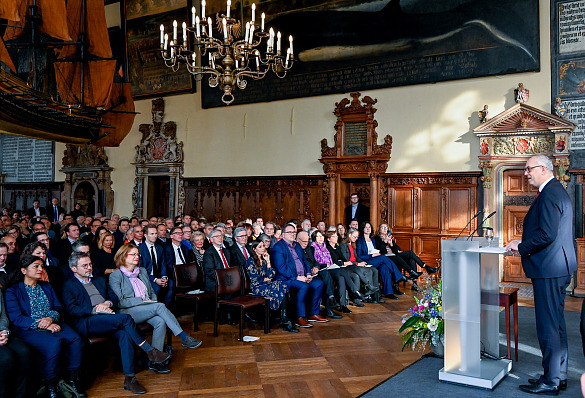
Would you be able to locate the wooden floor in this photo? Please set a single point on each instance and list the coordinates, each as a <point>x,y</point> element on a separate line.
<point>341,358</point>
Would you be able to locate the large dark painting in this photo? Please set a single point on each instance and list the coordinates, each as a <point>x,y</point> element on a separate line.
<point>342,46</point>
<point>146,69</point>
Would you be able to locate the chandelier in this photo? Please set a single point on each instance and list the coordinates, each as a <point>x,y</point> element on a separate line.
<point>232,57</point>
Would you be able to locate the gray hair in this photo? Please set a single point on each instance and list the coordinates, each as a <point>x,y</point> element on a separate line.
<point>75,247</point>
<point>214,231</point>
<point>352,231</point>
<point>220,224</point>
<point>75,257</point>
<point>238,230</point>
<point>544,161</point>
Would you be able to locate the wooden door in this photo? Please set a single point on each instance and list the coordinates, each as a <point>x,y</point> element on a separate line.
<point>518,196</point>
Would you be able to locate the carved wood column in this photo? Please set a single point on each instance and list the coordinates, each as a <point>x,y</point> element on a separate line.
<point>374,212</point>
<point>333,192</point>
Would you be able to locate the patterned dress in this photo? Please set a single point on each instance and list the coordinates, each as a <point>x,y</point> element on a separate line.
<point>273,290</point>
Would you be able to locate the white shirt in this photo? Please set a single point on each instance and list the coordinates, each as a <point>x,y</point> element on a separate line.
<point>149,246</point>
<point>541,187</point>
<point>178,259</point>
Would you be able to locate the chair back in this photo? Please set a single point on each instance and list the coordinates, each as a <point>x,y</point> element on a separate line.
<point>229,281</point>
<point>187,276</point>
<point>246,279</point>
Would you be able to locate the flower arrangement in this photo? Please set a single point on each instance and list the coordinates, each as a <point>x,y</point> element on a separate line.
<point>424,323</point>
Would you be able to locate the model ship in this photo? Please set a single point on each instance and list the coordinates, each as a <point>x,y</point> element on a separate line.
<point>58,79</point>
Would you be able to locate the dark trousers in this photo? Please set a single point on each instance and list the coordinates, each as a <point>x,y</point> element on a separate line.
<point>549,307</point>
<point>583,326</point>
<point>164,294</point>
<point>124,329</point>
<point>15,364</point>
<point>51,346</point>
<point>404,265</point>
<point>387,270</point>
<point>412,259</point>
<point>315,287</point>
<point>328,288</point>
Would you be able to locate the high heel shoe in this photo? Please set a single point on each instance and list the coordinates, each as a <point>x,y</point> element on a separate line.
<point>431,270</point>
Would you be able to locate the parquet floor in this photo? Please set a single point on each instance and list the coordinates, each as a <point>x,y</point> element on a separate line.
<point>341,358</point>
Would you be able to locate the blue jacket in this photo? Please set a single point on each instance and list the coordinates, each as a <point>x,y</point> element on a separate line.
<point>78,304</point>
<point>362,248</point>
<point>18,304</point>
<point>284,262</point>
<point>547,247</point>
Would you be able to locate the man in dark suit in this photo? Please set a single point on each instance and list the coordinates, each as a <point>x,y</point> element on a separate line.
<point>549,259</point>
<point>36,210</point>
<point>216,257</point>
<point>292,267</point>
<point>91,237</point>
<point>239,251</point>
<point>154,260</point>
<point>5,270</point>
<point>54,211</point>
<point>175,251</point>
<point>89,303</point>
<point>356,210</point>
<point>64,249</point>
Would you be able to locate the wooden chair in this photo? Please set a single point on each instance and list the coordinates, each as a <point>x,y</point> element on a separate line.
<point>230,283</point>
<point>189,277</point>
<point>509,297</point>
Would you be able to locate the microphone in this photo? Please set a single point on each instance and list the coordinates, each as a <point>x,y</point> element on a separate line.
<point>469,222</point>
<point>480,224</point>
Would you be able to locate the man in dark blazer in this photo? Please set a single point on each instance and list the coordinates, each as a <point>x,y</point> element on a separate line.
<point>549,259</point>
<point>239,251</point>
<point>216,257</point>
<point>154,260</point>
<point>36,210</point>
<point>93,316</point>
<point>64,246</point>
<point>356,210</point>
<point>176,252</point>
<point>54,210</point>
<point>292,267</point>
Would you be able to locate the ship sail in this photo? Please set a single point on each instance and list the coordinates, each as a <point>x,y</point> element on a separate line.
<point>53,13</point>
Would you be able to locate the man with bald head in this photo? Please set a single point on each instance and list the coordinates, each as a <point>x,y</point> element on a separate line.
<point>549,259</point>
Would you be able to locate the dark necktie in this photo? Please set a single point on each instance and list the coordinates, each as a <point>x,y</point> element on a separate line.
<point>225,264</point>
<point>537,194</point>
<point>181,255</point>
<point>154,265</point>
<point>56,213</point>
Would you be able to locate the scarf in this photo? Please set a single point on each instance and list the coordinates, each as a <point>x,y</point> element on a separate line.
<point>322,255</point>
<point>137,284</point>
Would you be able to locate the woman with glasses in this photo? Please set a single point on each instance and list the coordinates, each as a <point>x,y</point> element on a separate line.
<point>103,257</point>
<point>138,299</point>
<point>367,251</point>
<point>36,314</point>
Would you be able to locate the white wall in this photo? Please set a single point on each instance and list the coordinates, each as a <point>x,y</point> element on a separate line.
<point>431,126</point>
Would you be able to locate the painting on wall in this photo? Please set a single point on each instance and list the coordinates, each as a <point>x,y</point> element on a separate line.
<point>345,45</point>
<point>146,69</point>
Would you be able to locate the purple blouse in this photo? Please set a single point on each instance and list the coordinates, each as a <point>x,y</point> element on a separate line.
<point>322,255</point>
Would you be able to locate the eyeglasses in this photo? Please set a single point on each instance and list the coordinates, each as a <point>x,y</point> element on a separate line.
<point>85,266</point>
<point>216,236</point>
<point>289,232</point>
<point>177,233</point>
<point>242,236</point>
<point>528,169</point>
<point>133,254</point>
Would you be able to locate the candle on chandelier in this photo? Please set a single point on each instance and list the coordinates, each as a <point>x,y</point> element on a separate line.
<point>278,43</point>
<point>271,40</point>
<point>229,4</point>
<point>194,59</point>
<point>212,60</point>
<point>290,39</point>
<point>287,56</point>
<point>236,64</point>
<point>253,12</point>
<point>175,30</point>
<point>210,28</point>
<point>172,49</point>
<point>197,26</point>
<point>224,23</point>
<point>251,33</point>
<point>263,17</point>
<point>192,16</point>
<point>166,41</point>
<point>162,35</point>
<point>184,33</point>
<point>257,63</point>
<point>203,9</point>
<point>247,32</point>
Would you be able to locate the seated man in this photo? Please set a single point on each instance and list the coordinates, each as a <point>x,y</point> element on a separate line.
<point>216,257</point>
<point>292,266</point>
<point>87,300</point>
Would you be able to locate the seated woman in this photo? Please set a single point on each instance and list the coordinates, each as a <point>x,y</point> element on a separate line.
<point>366,250</point>
<point>197,251</point>
<point>333,247</point>
<point>34,310</point>
<point>129,235</point>
<point>341,275</point>
<point>386,243</point>
<point>341,234</point>
<point>263,284</point>
<point>16,360</point>
<point>368,274</point>
<point>137,299</point>
<point>103,258</point>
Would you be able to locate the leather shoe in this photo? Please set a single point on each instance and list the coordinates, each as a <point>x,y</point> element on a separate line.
<point>289,327</point>
<point>302,323</point>
<point>131,384</point>
<point>540,388</point>
<point>345,310</point>
<point>415,274</point>
<point>156,356</point>
<point>391,296</point>
<point>317,318</point>
<point>359,296</point>
<point>431,270</point>
<point>358,303</point>
<point>562,383</point>
<point>332,315</point>
<point>159,368</point>
<point>397,290</point>
<point>190,342</point>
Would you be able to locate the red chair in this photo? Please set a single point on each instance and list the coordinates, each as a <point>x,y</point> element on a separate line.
<point>189,277</point>
<point>229,283</point>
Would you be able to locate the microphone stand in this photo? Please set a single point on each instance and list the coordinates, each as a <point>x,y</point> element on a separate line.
<point>469,222</point>
<point>480,224</point>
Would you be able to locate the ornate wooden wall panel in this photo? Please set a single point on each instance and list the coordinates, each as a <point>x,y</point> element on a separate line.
<point>17,196</point>
<point>425,208</point>
<point>278,199</point>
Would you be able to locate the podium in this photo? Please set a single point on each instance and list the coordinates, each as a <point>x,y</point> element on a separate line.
<point>471,313</point>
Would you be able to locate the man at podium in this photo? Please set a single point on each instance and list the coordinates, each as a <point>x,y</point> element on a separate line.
<point>548,258</point>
